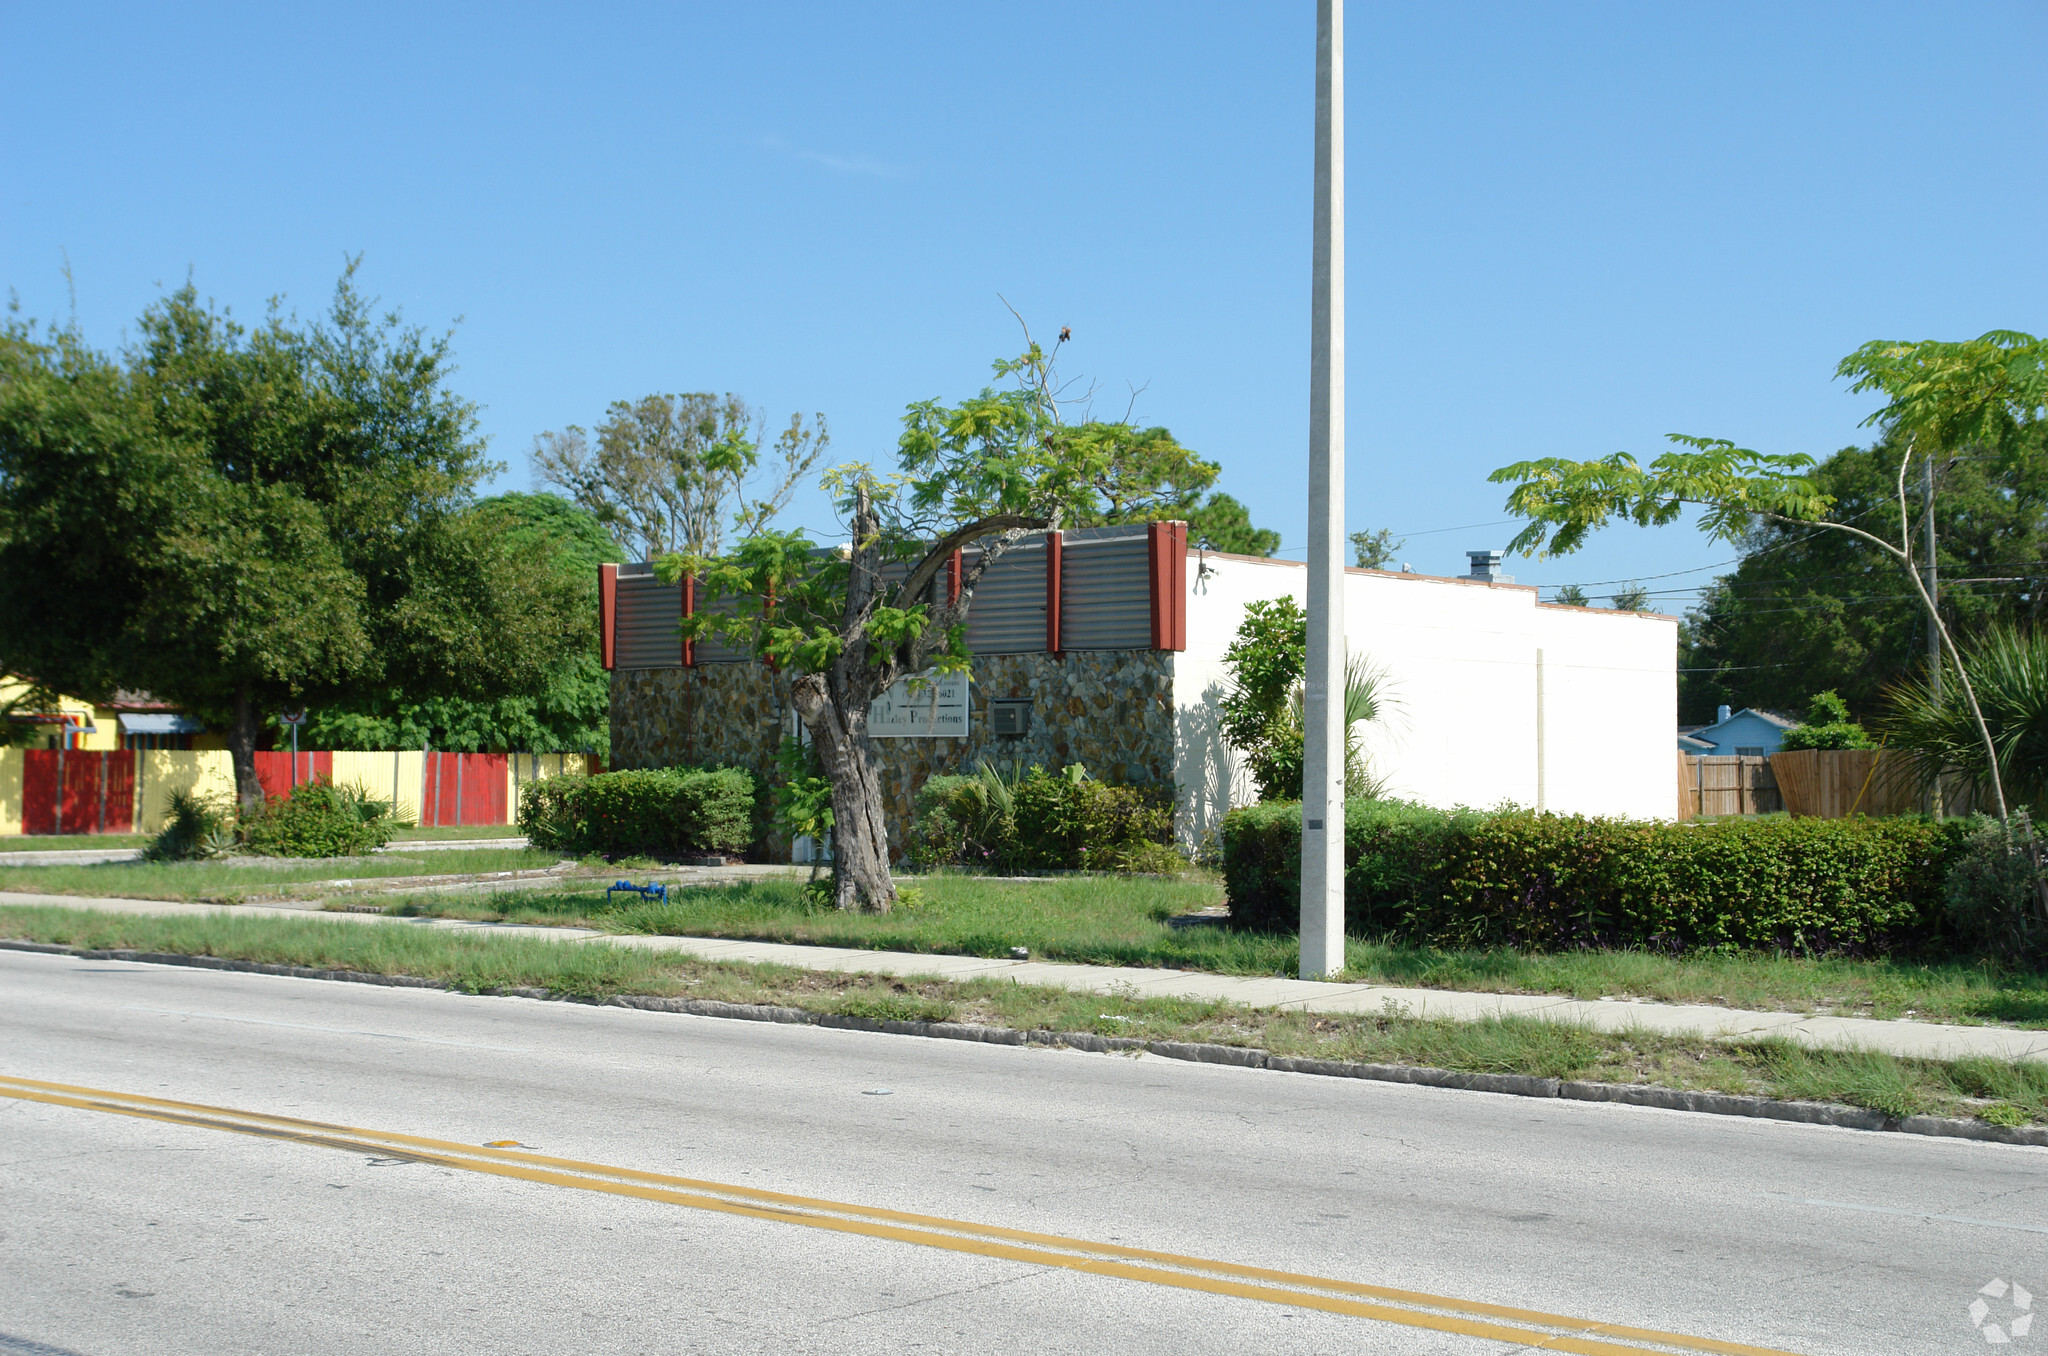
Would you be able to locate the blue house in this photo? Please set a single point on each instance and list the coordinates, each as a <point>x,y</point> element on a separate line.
<point>1749,732</point>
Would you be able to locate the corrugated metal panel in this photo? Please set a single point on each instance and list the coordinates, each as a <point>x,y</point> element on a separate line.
<point>1105,592</point>
<point>1007,615</point>
<point>648,614</point>
<point>717,651</point>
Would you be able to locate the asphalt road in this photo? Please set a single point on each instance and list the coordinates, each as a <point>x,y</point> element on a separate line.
<point>124,1232</point>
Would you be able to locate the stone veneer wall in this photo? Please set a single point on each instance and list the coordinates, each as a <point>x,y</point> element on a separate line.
<point>1110,710</point>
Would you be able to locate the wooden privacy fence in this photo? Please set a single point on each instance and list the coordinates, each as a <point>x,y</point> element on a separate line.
<point>1811,783</point>
<point>1725,785</point>
<point>77,791</point>
<point>1836,783</point>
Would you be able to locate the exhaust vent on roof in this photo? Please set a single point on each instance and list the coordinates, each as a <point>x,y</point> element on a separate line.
<point>1486,566</point>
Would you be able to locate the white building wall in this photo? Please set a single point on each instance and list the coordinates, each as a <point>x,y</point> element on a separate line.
<point>1462,719</point>
<point>1610,702</point>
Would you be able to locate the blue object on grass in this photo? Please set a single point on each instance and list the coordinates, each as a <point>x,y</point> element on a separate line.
<point>654,889</point>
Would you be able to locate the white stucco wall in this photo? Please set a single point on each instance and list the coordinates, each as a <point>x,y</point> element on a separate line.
<point>1460,660</point>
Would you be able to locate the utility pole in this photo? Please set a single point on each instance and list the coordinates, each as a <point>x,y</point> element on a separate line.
<point>1322,780</point>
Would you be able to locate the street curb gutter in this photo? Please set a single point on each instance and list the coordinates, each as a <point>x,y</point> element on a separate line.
<point>1512,1085</point>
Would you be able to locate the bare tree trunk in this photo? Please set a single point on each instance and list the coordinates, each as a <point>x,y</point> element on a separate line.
<point>242,752</point>
<point>860,835</point>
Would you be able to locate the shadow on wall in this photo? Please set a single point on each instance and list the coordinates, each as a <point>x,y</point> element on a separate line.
<point>1210,777</point>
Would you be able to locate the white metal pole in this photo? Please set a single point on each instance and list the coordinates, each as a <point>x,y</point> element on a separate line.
<point>1322,782</point>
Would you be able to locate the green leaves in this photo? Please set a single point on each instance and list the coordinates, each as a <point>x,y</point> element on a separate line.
<point>1984,392</point>
<point>1564,499</point>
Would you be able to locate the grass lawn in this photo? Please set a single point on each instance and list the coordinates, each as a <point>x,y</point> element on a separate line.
<point>225,883</point>
<point>459,834</point>
<point>2002,1092</point>
<point>69,842</point>
<point>1109,921</point>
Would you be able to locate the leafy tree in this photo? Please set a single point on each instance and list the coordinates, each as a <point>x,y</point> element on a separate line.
<point>666,469</point>
<point>1373,550</point>
<point>1226,525</point>
<point>1570,595</point>
<point>253,518</point>
<point>1988,394</point>
<point>849,623</point>
<point>1807,610</point>
<point>568,713</point>
<point>1827,727</point>
<point>1631,598</point>
<point>1262,713</point>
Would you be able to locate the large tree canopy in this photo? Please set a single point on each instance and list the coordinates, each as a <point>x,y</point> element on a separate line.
<point>666,472</point>
<point>241,519</point>
<point>1809,610</point>
<point>569,713</point>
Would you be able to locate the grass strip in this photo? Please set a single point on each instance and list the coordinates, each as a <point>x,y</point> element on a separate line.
<point>1120,921</point>
<point>69,842</point>
<point>1997,1091</point>
<point>225,882</point>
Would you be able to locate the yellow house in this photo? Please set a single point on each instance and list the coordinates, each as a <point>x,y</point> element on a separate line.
<point>126,720</point>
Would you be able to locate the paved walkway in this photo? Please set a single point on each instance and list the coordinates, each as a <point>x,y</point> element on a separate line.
<point>1895,1037</point>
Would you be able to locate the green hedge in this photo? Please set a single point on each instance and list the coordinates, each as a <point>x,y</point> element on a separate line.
<point>317,819</point>
<point>1043,821</point>
<point>665,812</point>
<point>1550,882</point>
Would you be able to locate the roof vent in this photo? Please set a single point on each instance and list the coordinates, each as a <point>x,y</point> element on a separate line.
<point>1486,567</point>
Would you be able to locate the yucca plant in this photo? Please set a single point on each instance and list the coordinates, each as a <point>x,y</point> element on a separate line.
<point>195,827</point>
<point>1939,735</point>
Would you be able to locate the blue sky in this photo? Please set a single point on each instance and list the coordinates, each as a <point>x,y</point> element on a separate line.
<point>1573,227</point>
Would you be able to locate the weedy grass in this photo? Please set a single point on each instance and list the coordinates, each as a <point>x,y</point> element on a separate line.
<point>1124,921</point>
<point>2001,1092</point>
<point>69,842</point>
<point>226,881</point>
<point>457,833</point>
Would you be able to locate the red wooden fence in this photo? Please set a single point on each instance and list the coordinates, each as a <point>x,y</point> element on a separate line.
<point>463,788</point>
<point>98,791</point>
<point>275,769</point>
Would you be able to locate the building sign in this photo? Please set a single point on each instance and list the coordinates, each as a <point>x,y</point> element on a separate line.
<point>933,706</point>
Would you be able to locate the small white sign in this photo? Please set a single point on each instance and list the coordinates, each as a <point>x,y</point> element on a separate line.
<point>933,706</point>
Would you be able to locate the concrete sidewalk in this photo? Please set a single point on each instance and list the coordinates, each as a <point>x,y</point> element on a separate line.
<point>1926,1039</point>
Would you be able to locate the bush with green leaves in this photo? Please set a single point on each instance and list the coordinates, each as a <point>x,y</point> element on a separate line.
<point>1545,882</point>
<point>1994,892</point>
<point>1827,727</point>
<point>318,819</point>
<point>658,812</point>
<point>1043,821</point>
<point>196,827</point>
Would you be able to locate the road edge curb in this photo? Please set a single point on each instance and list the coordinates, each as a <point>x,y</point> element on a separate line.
<point>1510,1085</point>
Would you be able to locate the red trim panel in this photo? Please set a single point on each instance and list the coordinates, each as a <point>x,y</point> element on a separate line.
<point>956,570</point>
<point>1167,570</point>
<point>608,613</point>
<point>689,610</point>
<point>1054,542</point>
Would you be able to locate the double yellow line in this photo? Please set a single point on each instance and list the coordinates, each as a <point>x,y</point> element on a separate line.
<point>1546,1332</point>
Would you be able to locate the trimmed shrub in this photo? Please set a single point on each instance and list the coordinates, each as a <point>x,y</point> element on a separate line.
<point>661,812</point>
<point>1550,882</point>
<point>1043,821</point>
<point>318,819</point>
<point>1993,893</point>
